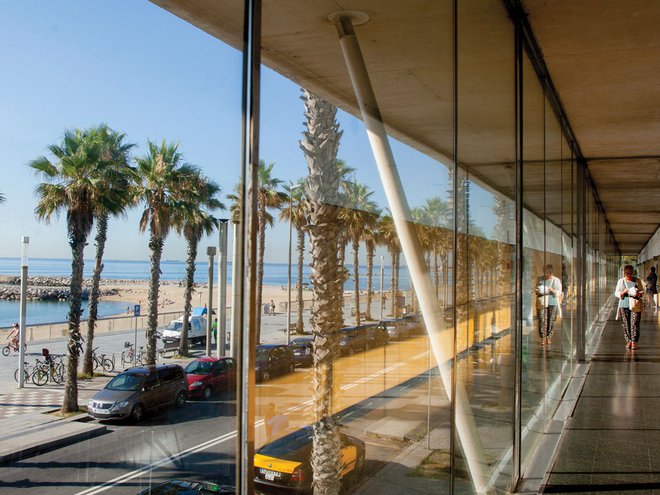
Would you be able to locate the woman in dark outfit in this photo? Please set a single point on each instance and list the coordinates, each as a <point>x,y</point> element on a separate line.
<point>652,288</point>
<point>627,288</point>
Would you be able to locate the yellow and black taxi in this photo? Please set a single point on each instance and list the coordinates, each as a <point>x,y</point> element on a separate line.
<point>284,464</point>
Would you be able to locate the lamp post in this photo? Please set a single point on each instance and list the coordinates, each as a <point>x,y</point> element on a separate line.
<point>221,337</point>
<point>211,250</point>
<point>25,240</point>
<point>382,273</point>
<point>288,304</point>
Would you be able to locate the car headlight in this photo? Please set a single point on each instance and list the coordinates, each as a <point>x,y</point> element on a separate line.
<point>120,405</point>
<point>196,384</point>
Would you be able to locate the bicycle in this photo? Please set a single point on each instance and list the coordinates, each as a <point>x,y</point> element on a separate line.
<point>51,368</point>
<point>12,345</point>
<point>28,371</point>
<point>101,361</point>
<point>127,355</point>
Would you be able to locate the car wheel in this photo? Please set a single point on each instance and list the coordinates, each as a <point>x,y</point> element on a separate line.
<point>265,376</point>
<point>137,414</point>
<point>180,399</point>
<point>206,393</point>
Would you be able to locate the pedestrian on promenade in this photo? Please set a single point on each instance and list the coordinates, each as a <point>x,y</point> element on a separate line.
<point>272,307</point>
<point>629,291</point>
<point>548,297</point>
<point>652,289</point>
<point>215,329</point>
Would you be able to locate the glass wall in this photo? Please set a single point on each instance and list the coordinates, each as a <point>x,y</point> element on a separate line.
<point>404,213</point>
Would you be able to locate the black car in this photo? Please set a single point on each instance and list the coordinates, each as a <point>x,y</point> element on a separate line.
<point>285,462</point>
<point>273,360</point>
<point>302,351</point>
<point>352,340</point>
<point>176,487</point>
<point>376,335</point>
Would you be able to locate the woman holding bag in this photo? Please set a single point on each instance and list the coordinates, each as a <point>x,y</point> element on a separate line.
<point>548,294</point>
<point>629,290</point>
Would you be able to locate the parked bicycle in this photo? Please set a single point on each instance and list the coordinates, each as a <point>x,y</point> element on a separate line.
<point>100,360</point>
<point>127,355</point>
<point>50,369</point>
<point>28,371</point>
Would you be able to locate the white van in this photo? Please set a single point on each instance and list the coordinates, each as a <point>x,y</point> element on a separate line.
<point>196,330</point>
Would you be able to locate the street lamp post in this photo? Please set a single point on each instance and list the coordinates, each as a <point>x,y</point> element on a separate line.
<point>382,302</point>
<point>211,250</point>
<point>222,289</point>
<point>21,333</point>
<point>288,304</point>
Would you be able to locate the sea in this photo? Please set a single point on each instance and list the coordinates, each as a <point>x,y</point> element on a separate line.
<point>55,311</point>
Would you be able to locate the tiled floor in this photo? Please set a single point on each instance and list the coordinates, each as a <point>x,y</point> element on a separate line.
<point>611,444</point>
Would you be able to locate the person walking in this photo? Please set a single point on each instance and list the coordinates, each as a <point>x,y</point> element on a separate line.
<point>548,296</point>
<point>629,291</point>
<point>652,289</point>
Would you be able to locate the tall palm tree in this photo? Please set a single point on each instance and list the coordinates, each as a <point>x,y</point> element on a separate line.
<point>161,179</point>
<point>268,198</point>
<point>319,145</point>
<point>296,214</point>
<point>193,219</point>
<point>359,213</point>
<point>73,185</point>
<point>116,178</point>
<point>370,239</point>
<point>388,234</point>
<point>347,175</point>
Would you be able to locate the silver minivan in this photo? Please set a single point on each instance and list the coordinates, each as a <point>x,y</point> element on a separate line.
<point>136,391</point>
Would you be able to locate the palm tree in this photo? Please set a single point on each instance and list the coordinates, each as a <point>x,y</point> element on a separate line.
<point>359,213</point>
<point>389,237</point>
<point>268,198</point>
<point>319,144</point>
<point>346,175</point>
<point>370,239</point>
<point>116,178</point>
<point>72,184</point>
<point>192,219</point>
<point>296,214</point>
<point>161,179</point>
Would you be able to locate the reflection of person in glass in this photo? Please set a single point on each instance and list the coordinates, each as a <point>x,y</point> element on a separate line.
<point>627,288</point>
<point>548,296</point>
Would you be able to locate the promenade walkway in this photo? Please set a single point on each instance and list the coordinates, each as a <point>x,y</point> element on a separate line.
<point>611,442</point>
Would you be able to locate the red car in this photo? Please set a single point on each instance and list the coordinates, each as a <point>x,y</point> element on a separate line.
<point>209,375</point>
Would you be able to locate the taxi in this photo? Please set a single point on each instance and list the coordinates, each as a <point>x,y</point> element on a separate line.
<point>285,462</point>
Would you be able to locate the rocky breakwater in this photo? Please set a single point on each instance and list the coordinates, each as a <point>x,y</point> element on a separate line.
<point>42,288</point>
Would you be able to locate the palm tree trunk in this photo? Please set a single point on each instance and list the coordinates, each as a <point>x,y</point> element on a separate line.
<point>320,143</point>
<point>70,402</point>
<point>300,324</point>
<point>156,246</point>
<point>184,346</point>
<point>436,273</point>
<point>396,284</point>
<point>101,237</point>
<point>341,261</point>
<point>370,273</point>
<point>356,281</point>
<point>260,263</point>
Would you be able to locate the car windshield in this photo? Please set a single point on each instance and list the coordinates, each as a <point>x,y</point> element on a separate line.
<point>126,381</point>
<point>174,325</point>
<point>293,447</point>
<point>262,355</point>
<point>199,368</point>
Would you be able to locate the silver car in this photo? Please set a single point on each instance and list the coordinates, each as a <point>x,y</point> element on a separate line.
<point>136,391</point>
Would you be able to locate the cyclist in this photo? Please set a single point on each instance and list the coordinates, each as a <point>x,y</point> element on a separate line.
<point>13,336</point>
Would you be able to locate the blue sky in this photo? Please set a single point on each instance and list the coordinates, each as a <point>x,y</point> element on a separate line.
<point>152,76</point>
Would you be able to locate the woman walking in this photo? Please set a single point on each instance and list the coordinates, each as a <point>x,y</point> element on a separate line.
<point>629,291</point>
<point>652,289</point>
<point>548,294</point>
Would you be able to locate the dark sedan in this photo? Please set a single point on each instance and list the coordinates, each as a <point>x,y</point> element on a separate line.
<point>272,360</point>
<point>302,351</point>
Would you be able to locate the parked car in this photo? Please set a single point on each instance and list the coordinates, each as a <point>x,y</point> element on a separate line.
<point>376,334</point>
<point>136,391</point>
<point>397,329</point>
<point>285,462</point>
<point>208,375</point>
<point>302,351</point>
<point>176,487</point>
<point>352,340</point>
<point>414,324</point>
<point>272,360</point>
<point>196,330</point>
